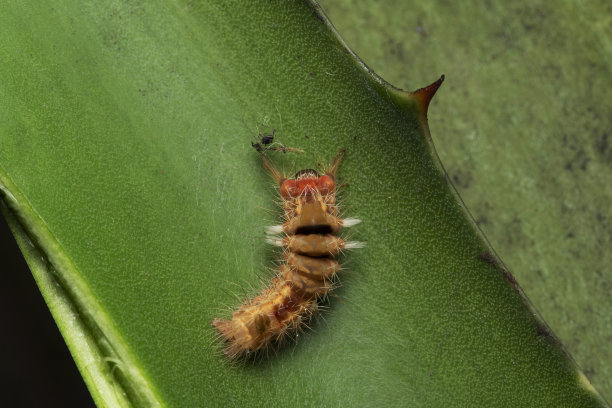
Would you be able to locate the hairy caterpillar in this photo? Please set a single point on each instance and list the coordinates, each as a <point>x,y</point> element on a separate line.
<point>310,240</point>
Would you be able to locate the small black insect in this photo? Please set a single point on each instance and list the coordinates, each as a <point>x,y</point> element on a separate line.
<point>264,141</point>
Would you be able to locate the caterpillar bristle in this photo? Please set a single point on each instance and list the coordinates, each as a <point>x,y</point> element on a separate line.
<point>354,245</point>
<point>274,241</point>
<point>274,229</point>
<point>349,222</point>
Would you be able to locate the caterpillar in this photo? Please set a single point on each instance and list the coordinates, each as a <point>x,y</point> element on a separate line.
<point>311,243</point>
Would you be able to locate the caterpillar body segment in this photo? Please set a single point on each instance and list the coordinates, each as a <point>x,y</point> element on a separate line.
<point>310,238</point>
<point>313,244</point>
<point>266,319</point>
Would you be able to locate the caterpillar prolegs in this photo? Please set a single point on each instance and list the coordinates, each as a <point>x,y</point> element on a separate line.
<point>311,243</point>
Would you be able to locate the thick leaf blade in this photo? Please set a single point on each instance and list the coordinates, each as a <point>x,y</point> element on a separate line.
<point>140,187</point>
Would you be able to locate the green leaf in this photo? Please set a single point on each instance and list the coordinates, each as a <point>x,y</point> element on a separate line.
<point>133,191</point>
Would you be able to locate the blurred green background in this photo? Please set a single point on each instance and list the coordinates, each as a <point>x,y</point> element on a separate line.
<point>523,126</point>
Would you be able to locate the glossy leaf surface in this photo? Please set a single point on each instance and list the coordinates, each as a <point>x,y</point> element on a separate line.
<point>140,205</point>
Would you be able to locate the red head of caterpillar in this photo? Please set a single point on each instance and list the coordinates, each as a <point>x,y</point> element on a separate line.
<point>310,240</point>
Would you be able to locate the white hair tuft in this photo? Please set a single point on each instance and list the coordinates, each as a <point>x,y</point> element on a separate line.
<point>349,222</point>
